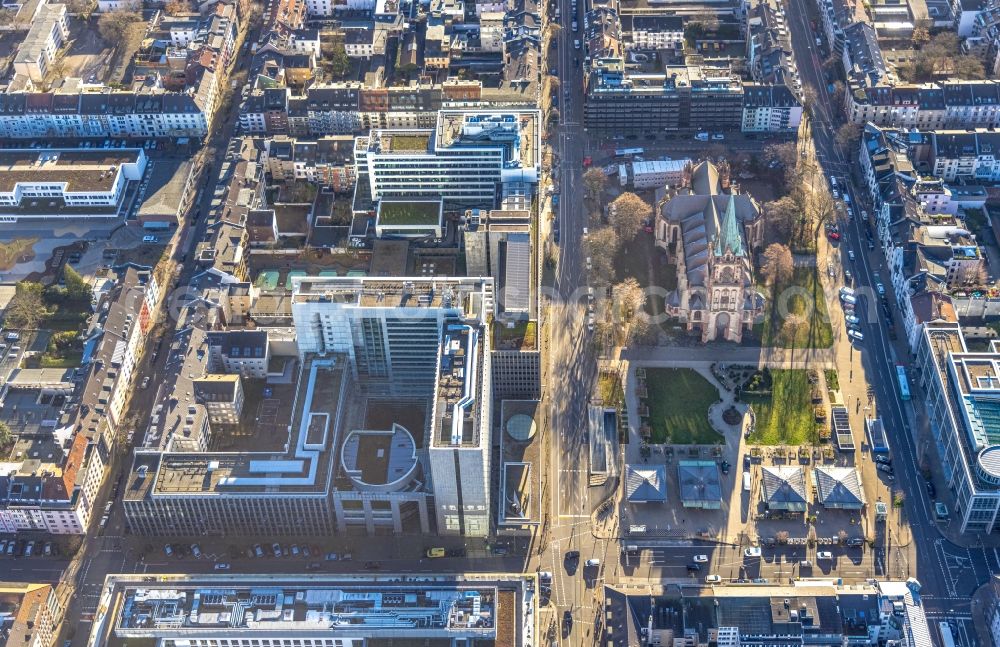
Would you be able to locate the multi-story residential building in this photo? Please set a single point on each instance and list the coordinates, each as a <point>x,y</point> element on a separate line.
<point>770,109</point>
<point>67,183</point>
<point>32,614</point>
<point>66,428</point>
<point>464,160</point>
<point>326,161</point>
<point>70,112</point>
<point>239,352</point>
<point>49,30</point>
<point>862,56</point>
<point>654,32</point>
<point>930,106</point>
<point>770,58</point>
<point>346,108</point>
<point>467,609</point>
<point>838,15</point>
<point>682,99</point>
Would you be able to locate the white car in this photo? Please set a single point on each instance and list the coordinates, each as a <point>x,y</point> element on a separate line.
<point>850,254</point>
<point>851,319</point>
<point>846,291</point>
<point>593,562</point>
<point>700,559</point>
<point>824,555</point>
<point>222,566</point>
<point>753,551</point>
<point>856,335</point>
<point>713,579</point>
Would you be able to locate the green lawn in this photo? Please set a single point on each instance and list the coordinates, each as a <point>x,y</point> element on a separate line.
<point>609,388</point>
<point>802,297</point>
<point>786,416</point>
<point>524,335</point>
<point>409,213</point>
<point>678,407</point>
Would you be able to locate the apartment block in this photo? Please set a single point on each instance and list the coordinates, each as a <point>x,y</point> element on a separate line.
<point>48,31</point>
<point>683,99</point>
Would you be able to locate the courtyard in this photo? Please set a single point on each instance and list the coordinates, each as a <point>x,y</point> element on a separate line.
<point>796,314</point>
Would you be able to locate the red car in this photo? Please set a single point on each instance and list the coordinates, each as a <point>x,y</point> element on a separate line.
<point>834,235</point>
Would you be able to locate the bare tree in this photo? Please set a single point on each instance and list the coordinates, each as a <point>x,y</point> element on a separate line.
<point>921,30</point>
<point>594,181</point>
<point>27,308</point>
<point>629,297</point>
<point>627,214</point>
<point>781,536</point>
<point>175,7</point>
<point>781,217</point>
<point>792,328</point>
<point>7,16</point>
<point>848,136</point>
<point>778,264</point>
<point>113,26</point>
<point>82,8</point>
<point>602,246</point>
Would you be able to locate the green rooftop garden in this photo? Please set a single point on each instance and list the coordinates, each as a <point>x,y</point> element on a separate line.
<point>409,142</point>
<point>409,213</point>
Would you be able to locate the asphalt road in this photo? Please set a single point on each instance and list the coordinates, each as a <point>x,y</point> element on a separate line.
<point>948,573</point>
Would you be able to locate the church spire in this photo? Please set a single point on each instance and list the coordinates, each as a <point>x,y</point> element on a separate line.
<point>730,238</point>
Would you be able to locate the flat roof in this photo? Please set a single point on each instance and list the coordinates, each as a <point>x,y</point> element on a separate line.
<point>80,170</point>
<point>301,468</point>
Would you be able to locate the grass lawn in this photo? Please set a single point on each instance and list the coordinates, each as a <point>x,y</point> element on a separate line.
<point>678,402</point>
<point>786,416</point>
<point>609,388</point>
<point>409,213</point>
<point>802,297</point>
<point>522,336</point>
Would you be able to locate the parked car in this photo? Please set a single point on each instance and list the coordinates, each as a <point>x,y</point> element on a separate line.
<point>853,320</point>
<point>196,550</point>
<point>824,555</point>
<point>882,467</point>
<point>331,557</point>
<point>258,550</point>
<point>434,553</point>
<point>752,551</point>
<point>856,335</point>
<point>713,579</point>
<point>701,559</point>
<point>276,549</point>
<point>222,566</point>
<point>882,458</point>
<point>593,562</point>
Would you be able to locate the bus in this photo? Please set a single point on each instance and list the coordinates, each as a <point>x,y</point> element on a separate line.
<point>904,385</point>
<point>628,152</point>
<point>947,639</point>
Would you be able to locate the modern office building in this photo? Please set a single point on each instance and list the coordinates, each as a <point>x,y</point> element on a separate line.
<point>331,611</point>
<point>963,391</point>
<point>420,338</point>
<point>464,160</point>
<point>67,183</point>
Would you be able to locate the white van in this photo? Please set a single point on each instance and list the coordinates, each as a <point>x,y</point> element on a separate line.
<point>746,481</point>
